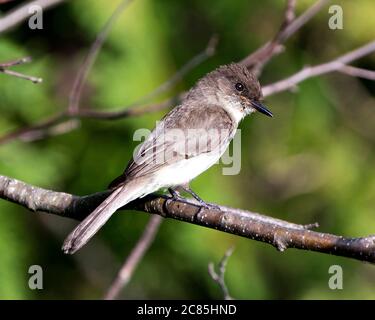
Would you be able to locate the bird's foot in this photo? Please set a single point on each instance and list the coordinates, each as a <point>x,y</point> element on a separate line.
<point>176,196</point>
<point>202,203</point>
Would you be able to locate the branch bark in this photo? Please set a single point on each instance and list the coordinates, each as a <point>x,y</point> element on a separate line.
<point>279,233</point>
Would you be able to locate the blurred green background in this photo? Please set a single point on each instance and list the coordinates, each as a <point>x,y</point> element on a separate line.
<point>314,161</point>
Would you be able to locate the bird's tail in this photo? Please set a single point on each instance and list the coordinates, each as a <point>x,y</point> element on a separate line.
<point>93,222</point>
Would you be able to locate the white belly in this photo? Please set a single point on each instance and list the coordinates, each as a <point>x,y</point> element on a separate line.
<point>186,170</point>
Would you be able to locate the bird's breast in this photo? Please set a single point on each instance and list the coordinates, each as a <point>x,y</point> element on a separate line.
<point>185,170</point>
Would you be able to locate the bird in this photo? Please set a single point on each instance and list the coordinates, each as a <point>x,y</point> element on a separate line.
<point>171,156</point>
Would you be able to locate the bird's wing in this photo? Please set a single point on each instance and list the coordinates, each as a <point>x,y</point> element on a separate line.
<point>185,132</point>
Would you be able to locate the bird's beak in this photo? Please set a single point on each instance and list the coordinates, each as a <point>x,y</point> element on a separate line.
<point>261,108</point>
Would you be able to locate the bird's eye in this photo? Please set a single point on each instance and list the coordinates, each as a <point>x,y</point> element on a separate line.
<point>239,86</point>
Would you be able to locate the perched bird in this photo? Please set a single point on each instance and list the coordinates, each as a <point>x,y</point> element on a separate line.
<point>173,154</point>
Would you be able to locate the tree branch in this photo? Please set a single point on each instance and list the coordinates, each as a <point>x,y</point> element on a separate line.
<point>279,233</point>
<point>45,127</point>
<point>79,82</point>
<point>358,72</point>
<point>124,275</point>
<point>218,277</point>
<point>4,68</point>
<point>208,52</point>
<point>34,131</point>
<point>257,59</point>
<point>308,72</point>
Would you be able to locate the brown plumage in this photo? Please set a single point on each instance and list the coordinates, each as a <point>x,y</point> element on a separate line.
<point>186,142</point>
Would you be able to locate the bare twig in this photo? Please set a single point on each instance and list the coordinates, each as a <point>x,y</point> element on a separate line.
<point>16,62</point>
<point>218,277</point>
<point>279,233</point>
<point>30,133</point>
<point>290,26</point>
<point>130,111</point>
<point>22,12</point>
<point>301,20</point>
<point>358,72</point>
<point>50,131</point>
<point>21,75</point>
<point>136,108</point>
<point>288,83</point>
<point>124,275</point>
<point>289,13</point>
<point>208,52</point>
<point>4,68</point>
<point>36,131</point>
<point>336,64</point>
<point>308,72</point>
<point>80,80</point>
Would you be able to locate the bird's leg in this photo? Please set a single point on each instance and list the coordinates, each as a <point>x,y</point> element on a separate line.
<point>203,203</point>
<point>175,194</point>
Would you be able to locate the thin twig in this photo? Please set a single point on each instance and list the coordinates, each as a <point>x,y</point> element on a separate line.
<point>60,128</point>
<point>301,20</point>
<point>22,12</point>
<point>218,277</point>
<point>288,83</point>
<point>290,14</point>
<point>15,62</point>
<point>130,111</point>
<point>268,90</point>
<point>135,109</point>
<point>309,72</point>
<point>21,75</point>
<point>124,275</point>
<point>4,68</point>
<point>208,52</point>
<point>30,133</point>
<point>357,72</point>
<point>261,56</point>
<point>79,82</point>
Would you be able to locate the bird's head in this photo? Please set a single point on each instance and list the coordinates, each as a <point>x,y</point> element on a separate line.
<point>235,88</point>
